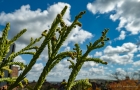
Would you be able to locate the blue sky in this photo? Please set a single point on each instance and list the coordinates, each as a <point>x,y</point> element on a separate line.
<point>121,52</point>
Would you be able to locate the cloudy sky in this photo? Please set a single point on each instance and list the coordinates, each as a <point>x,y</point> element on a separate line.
<point>120,16</point>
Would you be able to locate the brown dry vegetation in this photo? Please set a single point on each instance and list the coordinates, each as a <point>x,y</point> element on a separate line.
<point>125,85</point>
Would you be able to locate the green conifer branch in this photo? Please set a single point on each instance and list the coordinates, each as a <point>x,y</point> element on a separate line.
<point>17,36</point>
<point>56,61</point>
<point>21,64</point>
<point>12,80</point>
<point>31,53</point>
<point>39,51</point>
<point>78,52</point>
<point>4,47</point>
<point>54,45</point>
<point>5,31</point>
<point>28,47</point>
<point>61,31</point>
<point>49,49</point>
<point>72,64</point>
<point>83,83</point>
<point>73,74</point>
<point>22,51</point>
<point>56,22</point>
<point>68,30</point>
<point>2,73</point>
<point>4,42</point>
<point>6,68</point>
<point>33,47</point>
<point>83,58</point>
<point>97,44</point>
<point>54,51</point>
<point>8,79</point>
<point>63,54</point>
<point>96,60</point>
<point>48,67</point>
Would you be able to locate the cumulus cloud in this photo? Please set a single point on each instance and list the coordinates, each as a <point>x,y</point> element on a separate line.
<point>136,63</point>
<point>37,21</point>
<point>60,71</point>
<point>102,6</point>
<point>122,36</point>
<point>122,10</point>
<point>88,70</point>
<point>19,59</point>
<point>125,48</point>
<point>89,64</point>
<point>121,71</point>
<point>78,35</point>
<point>97,71</point>
<point>130,69</point>
<point>67,48</point>
<point>19,46</point>
<point>35,72</point>
<point>98,54</point>
<point>121,54</point>
<point>92,72</point>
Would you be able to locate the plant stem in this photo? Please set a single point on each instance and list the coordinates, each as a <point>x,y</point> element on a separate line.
<point>33,61</point>
<point>73,75</point>
<point>42,77</point>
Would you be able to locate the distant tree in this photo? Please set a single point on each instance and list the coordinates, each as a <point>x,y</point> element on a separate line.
<point>121,76</point>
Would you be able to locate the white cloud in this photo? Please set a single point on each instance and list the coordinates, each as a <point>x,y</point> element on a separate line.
<point>122,36</point>
<point>19,59</point>
<point>60,71</point>
<point>127,11</point>
<point>89,64</point>
<point>102,6</point>
<point>67,48</point>
<point>136,63</point>
<point>121,71</point>
<point>90,56</point>
<point>125,48</point>
<point>19,46</point>
<point>97,70</point>
<point>121,54</point>
<point>78,35</point>
<point>130,69</point>
<point>88,70</point>
<point>98,54</point>
<point>37,21</point>
<point>35,72</point>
